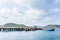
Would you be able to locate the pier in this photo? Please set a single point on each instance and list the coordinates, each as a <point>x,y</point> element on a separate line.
<point>19,29</point>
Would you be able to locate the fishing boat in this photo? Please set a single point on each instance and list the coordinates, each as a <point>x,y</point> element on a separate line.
<point>50,29</point>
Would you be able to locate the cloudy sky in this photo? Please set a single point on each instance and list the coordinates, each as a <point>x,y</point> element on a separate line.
<point>30,12</point>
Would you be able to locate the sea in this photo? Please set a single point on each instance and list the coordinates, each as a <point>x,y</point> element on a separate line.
<point>31,35</point>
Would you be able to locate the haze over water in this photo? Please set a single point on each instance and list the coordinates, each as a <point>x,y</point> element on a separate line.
<point>31,35</point>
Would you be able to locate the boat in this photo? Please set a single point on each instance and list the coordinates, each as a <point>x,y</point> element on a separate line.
<point>50,29</point>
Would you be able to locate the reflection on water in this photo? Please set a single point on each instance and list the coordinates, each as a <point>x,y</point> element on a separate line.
<point>31,35</point>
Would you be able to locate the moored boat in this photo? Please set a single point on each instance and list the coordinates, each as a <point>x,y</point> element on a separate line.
<point>50,29</point>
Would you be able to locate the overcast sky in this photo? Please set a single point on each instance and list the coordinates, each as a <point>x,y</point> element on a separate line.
<point>30,12</point>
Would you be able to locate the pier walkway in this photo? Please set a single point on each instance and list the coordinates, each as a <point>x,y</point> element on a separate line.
<point>19,29</point>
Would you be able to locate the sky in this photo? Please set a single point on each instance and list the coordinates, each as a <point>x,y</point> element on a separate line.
<point>30,12</point>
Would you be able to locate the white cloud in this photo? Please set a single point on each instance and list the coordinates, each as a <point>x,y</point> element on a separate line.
<point>57,22</point>
<point>45,21</point>
<point>13,15</point>
<point>3,11</point>
<point>30,15</point>
<point>54,10</point>
<point>3,1</point>
<point>18,1</point>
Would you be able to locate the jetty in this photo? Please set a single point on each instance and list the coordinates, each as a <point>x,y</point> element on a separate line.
<point>22,27</point>
<point>19,28</point>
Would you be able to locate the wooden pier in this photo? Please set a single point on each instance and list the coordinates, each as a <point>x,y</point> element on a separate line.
<point>19,29</point>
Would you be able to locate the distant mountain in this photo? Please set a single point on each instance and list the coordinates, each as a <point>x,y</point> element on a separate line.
<point>22,25</point>
<point>56,26</point>
<point>14,25</point>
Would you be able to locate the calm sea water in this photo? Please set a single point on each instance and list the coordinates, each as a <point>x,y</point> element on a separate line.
<point>31,35</point>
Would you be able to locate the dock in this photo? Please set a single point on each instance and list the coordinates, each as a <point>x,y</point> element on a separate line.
<point>19,29</point>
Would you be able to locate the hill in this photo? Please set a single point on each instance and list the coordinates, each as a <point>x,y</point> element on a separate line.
<point>50,26</point>
<point>14,25</point>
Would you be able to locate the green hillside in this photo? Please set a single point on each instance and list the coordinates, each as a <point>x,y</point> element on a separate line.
<point>22,25</point>
<point>14,25</point>
<point>50,26</point>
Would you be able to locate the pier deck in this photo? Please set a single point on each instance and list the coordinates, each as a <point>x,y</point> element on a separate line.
<point>19,29</point>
